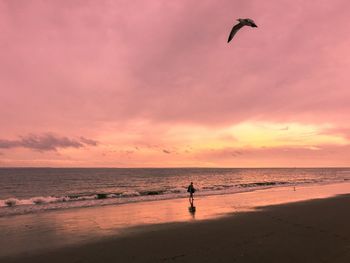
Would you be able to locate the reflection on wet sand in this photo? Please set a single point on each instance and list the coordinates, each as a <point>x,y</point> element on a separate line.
<point>65,227</point>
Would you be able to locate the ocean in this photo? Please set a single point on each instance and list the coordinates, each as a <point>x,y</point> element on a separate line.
<point>29,190</point>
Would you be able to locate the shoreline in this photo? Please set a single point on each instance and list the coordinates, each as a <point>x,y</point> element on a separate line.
<point>41,233</point>
<point>25,209</point>
<point>307,231</point>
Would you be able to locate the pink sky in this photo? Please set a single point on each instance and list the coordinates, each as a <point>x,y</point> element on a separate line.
<point>154,83</point>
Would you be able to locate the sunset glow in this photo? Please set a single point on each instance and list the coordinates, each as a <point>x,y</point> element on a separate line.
<point>154,84</point>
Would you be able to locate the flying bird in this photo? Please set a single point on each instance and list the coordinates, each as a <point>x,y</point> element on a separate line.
<point>242,22</point>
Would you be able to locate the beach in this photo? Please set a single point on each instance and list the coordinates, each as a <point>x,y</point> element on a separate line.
<point>310,224</point>
<point>174,131</point>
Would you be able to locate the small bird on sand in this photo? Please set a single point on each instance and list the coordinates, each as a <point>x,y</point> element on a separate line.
<point>242,22</point>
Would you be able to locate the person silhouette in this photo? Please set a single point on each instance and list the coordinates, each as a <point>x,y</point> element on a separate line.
<point>191,190</point>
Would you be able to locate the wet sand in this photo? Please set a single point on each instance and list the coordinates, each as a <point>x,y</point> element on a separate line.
<point>316,230</point>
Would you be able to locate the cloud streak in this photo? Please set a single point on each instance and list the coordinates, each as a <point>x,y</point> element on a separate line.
<point>278,156</point>
<point>46,142</point>
<point>88,141</point>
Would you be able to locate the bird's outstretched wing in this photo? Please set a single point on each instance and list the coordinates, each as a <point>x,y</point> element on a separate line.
<point>234,31</point>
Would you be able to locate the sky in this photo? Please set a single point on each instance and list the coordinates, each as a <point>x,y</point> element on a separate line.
<point>117,83</point>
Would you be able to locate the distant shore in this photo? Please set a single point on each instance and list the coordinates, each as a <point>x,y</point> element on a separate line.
<point>284,227</point>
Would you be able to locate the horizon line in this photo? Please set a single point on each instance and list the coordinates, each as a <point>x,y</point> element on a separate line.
<point>174,167</point>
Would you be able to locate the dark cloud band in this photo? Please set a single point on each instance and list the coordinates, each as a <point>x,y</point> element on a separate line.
<point>46,142</point>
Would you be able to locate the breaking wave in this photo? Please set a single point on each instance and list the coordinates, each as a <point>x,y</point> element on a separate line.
<point>15,205</point>
<point>41,200</point>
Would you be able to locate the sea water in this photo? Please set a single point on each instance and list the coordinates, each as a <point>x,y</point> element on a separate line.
<point>28,190</point>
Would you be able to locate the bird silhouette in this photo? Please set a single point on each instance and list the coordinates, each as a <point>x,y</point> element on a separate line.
<point>242,22</point>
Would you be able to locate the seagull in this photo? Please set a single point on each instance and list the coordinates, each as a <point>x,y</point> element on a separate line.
<point>242,22</point>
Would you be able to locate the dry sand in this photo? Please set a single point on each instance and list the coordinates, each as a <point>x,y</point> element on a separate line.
<point>308,231</point>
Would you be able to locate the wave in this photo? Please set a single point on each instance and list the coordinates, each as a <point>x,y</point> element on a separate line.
<point>130,194</point>
<point>14,205</point>
<point>244,185</point>
<point>10,202</point>
<point>217,187</point>
<point>41,200</point>
<point>256,184</point>
<point>176,190</point>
